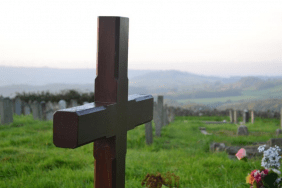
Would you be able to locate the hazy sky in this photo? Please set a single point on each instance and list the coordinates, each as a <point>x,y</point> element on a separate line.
<point>212,37</point>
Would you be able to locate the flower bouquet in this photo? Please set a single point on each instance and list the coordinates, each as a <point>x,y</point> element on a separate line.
<point>269,175</point>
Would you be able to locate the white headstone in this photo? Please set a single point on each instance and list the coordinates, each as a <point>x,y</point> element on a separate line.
<point>62,104</point>
<point>49,111</point>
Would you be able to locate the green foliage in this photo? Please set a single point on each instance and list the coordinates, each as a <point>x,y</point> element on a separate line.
<point>66,95</point>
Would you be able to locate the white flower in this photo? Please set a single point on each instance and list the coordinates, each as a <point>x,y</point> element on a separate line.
<point>271,157</point>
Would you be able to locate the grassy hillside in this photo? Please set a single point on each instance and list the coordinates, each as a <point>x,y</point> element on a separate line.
<point>28,157</point>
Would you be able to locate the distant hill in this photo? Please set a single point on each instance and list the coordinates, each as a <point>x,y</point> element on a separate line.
<point>179,88</point>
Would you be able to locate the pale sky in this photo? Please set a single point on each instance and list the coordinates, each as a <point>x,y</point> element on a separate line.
<point>212,37</point>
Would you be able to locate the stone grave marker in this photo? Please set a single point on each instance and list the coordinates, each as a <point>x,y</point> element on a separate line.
<point>157,120</point>
<point>73,103</point>
<point>107,120</point>
<point>165,120</point>
<point>160,110</point>
<point>171,114</point>
<point>149,133</point>
<point>13,105</point>
<point>231,115</point>
<point>49,111</point>
<point>252,116</point>
<point>242,130</point>
<point>26,109</point>
<point>18,106</point>
<point>36,111</point>
<point>43,110</point>
<point>6,111</point>
<point>62,104</point>
<point>245,116</point>
<point>235,117</point>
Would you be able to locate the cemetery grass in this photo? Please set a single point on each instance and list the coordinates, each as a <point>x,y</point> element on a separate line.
<point>28,157</point>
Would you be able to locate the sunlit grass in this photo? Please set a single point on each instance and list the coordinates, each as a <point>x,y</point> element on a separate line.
<point>28,157</point>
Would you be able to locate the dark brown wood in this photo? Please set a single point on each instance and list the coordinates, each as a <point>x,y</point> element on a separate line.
<point>106,121</point>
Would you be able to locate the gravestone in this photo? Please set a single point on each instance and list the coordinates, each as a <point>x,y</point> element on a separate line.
<point>245,116</point>
<point>155,112</point>
<point>252,116</point>
<point>36,111</point>
<point>214,146</point>
<point>160,109</point>
<point>149,133</point>
<point>107,120</point>
<point>49,111</point>
<point>242,130</point>
<point>165,120</point>
<point>171,114</point>
<point>235,117</point>
<point>13,105</point>
<point>231,115</point>
<point>27,109</point>
<point>6,110</point>
<point>157,120</point>
<point>73,103</point>
<point>278,131</point>
<point>18,106</point>
<point>62,104</point>
<point>43,110</point>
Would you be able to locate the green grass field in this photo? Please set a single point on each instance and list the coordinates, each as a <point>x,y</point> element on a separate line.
<point>275,92</point>
<point>28,157</point>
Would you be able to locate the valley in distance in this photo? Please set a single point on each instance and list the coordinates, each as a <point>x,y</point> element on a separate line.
<point>180,89</point>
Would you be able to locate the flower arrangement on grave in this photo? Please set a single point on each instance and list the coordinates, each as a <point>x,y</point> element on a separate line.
<point>156,181</point>
<point>269,175</point>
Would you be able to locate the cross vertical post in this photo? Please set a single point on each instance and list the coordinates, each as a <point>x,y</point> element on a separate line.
<point>107,120</point>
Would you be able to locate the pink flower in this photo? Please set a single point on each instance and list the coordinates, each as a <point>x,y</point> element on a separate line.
<point>241,154</point>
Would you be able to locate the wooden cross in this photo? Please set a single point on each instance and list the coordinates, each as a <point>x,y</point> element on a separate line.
<point>106,121</point>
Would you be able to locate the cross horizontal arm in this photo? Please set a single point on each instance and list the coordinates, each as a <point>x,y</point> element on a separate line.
<point>77,126</point>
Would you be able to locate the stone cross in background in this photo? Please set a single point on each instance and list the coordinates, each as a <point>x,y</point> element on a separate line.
<point>107,120</point>
<point>231,115</point>
<point>245,116</point>
<point>6,111</point>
